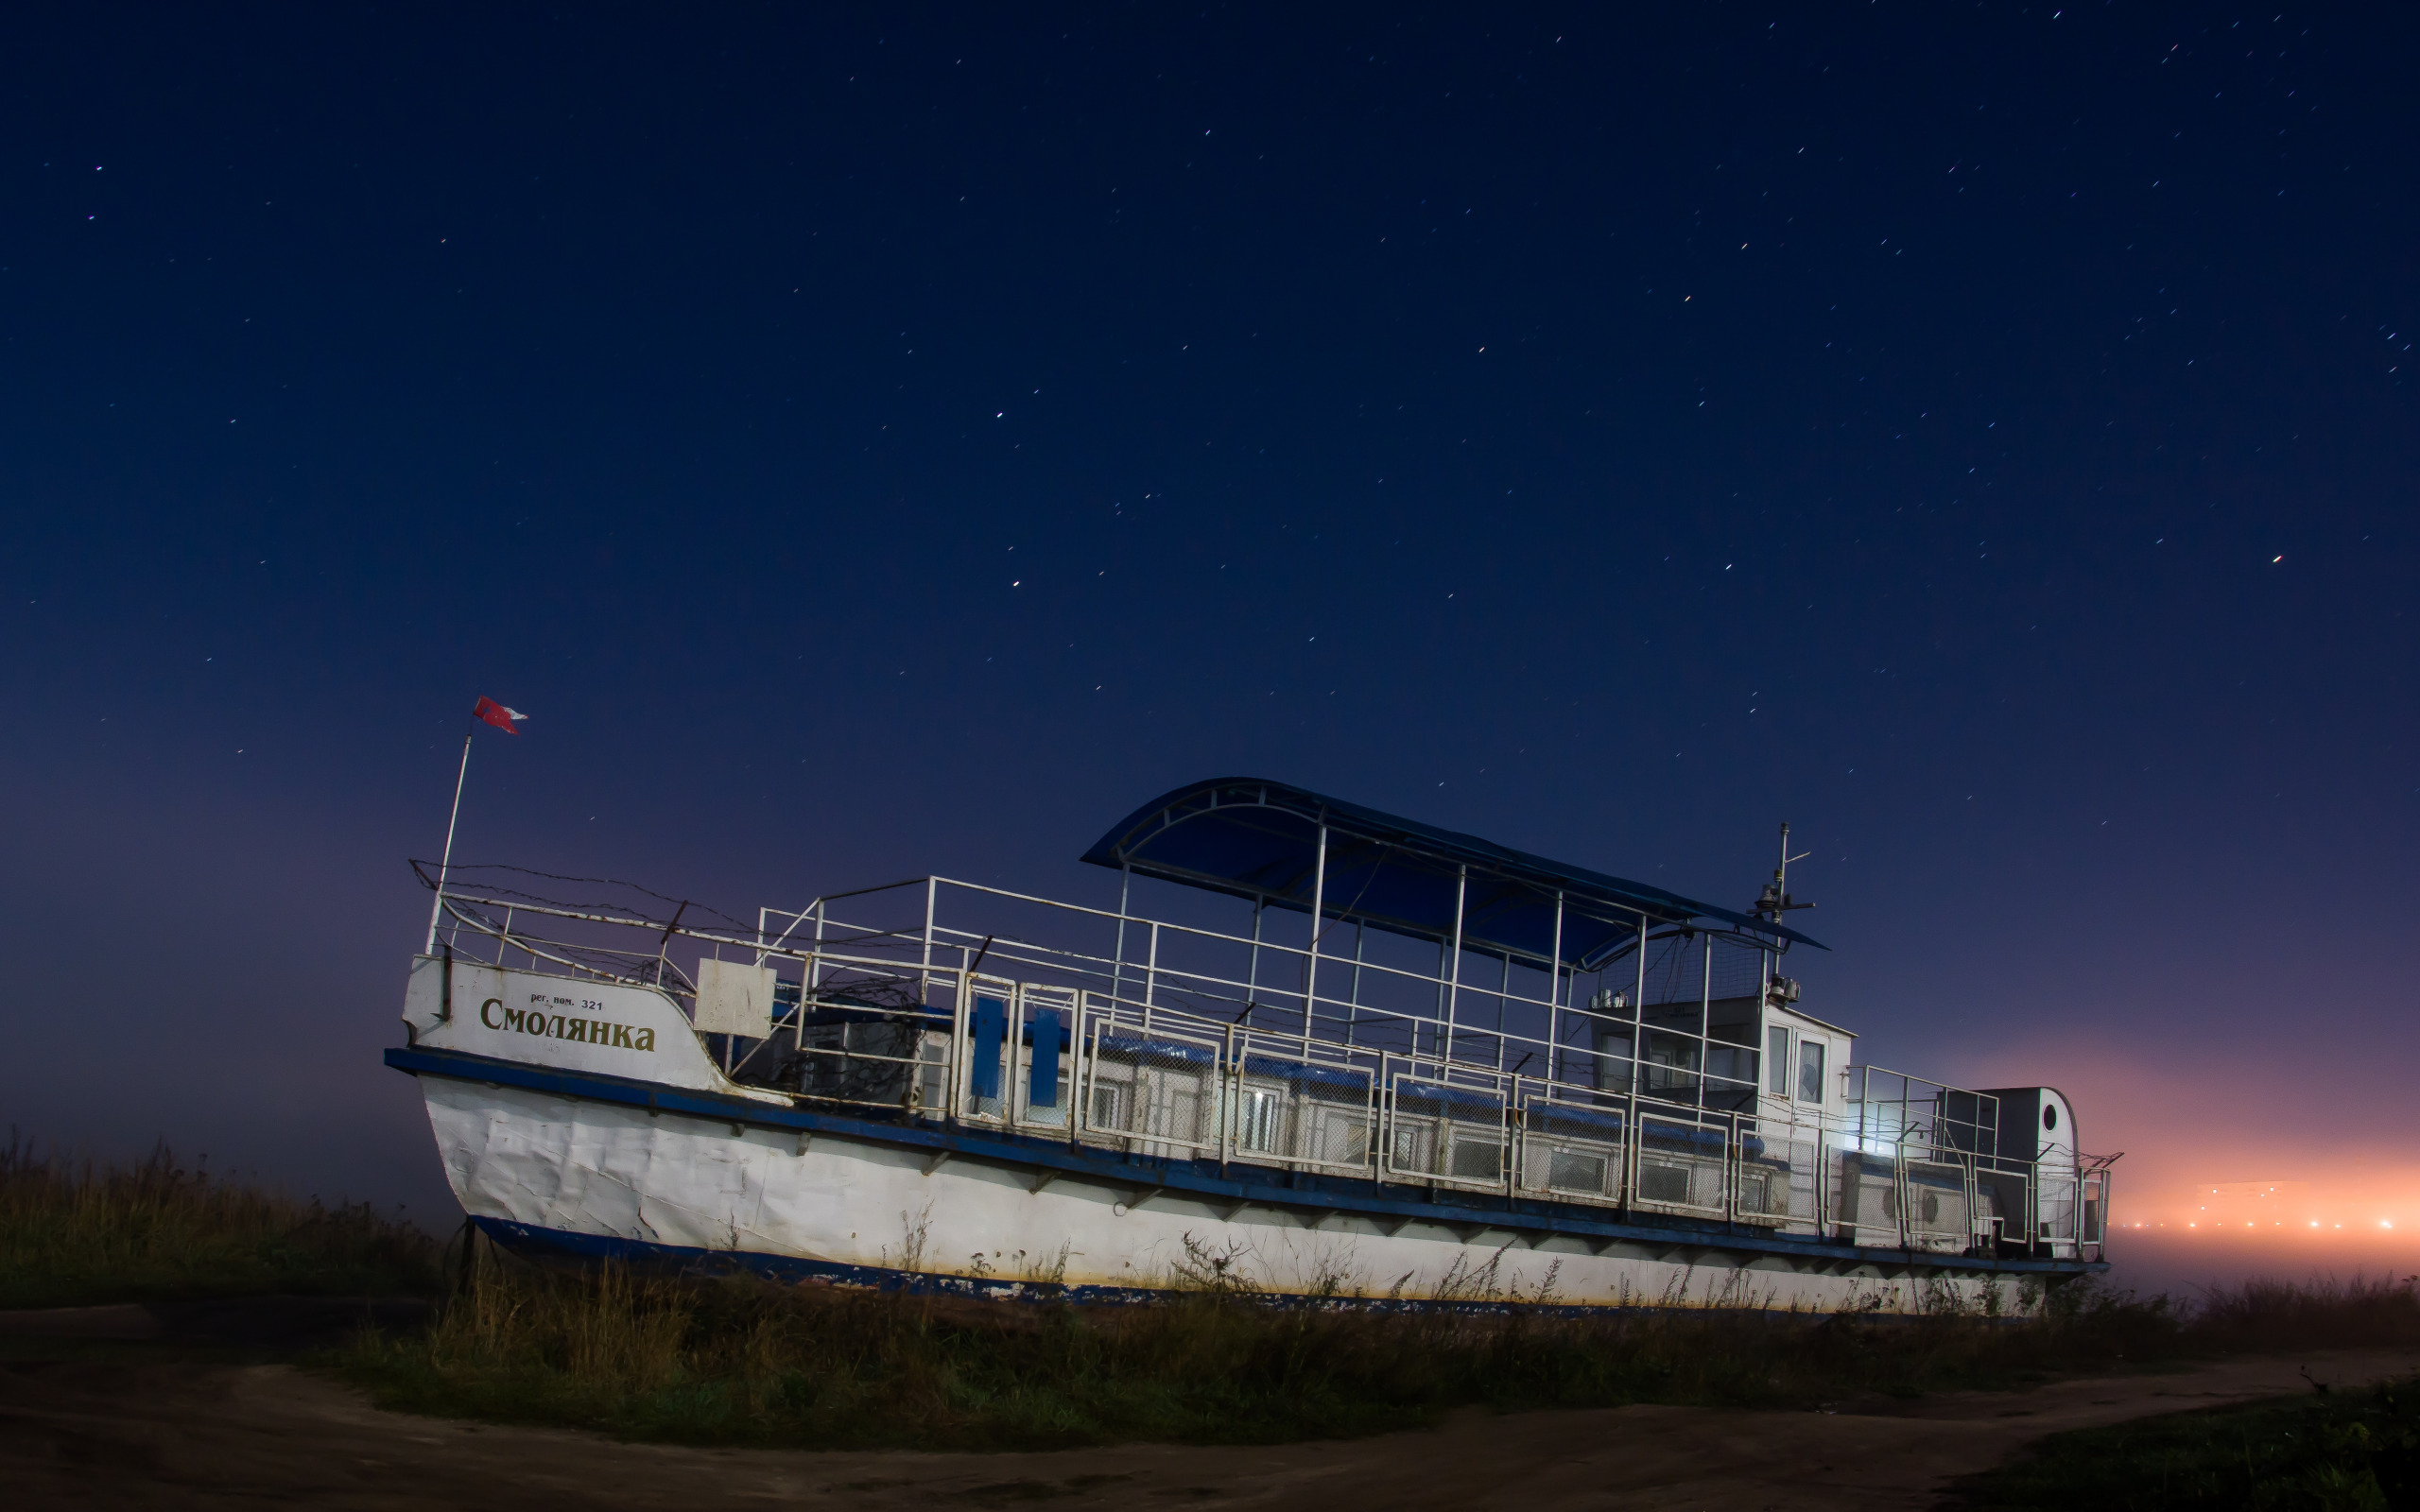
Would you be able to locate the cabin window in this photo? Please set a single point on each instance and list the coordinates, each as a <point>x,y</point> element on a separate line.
<point>1663,1183</point>
<point>1576,1171</point>
<point>1341,1138</point>
<point>1613,1063</point>
<point>1810,1070</point>
<point>1671,1065</point>
<point>1479,1160</point>
<point>1259,1126</point>
<point>1777,1061</point>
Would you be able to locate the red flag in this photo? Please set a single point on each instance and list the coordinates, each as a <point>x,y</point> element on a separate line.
<point>497,714</point>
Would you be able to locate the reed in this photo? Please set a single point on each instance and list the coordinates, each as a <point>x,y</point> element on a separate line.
<point>80,1231</point>
<point>2324,1312</point>
<point>742,1361</point>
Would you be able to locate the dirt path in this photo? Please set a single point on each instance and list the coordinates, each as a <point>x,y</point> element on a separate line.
<point>148,1433</point>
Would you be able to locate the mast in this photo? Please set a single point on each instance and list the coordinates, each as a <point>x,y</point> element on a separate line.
<point>1776,901</point>
<point>436,906</point>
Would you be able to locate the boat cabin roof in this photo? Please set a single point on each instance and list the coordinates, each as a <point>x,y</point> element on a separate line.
<point>1252,839</point>
<point>1794,1011</point>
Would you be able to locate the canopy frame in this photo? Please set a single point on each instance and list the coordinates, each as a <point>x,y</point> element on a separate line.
<point>1284,847</point>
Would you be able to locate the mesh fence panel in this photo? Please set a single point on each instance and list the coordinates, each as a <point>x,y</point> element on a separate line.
<point>1805,1182</point>
<point>1337,1122</point>
<point>1445,1133</point>
<point>1770,1180</point>
<point>1938,1212</point>
<point>1292,1112</point>
<point>1869,1198</point>
<point>1679,1167</point>
<point>1157,1089</point>
<point>1569,1152</point>
<point>2057,1211</point>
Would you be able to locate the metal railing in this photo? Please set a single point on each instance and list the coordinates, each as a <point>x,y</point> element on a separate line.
<point>1161,1057</point>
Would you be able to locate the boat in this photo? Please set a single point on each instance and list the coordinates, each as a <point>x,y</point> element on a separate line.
<point>1311,1050</point>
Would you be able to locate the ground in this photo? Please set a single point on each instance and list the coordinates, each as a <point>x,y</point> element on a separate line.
<point>138,1407</point>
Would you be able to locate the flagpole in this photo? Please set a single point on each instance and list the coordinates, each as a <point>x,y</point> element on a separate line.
<point>438,905</point>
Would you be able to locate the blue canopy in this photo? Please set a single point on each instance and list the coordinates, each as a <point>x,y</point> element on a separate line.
<point>1259,839</point>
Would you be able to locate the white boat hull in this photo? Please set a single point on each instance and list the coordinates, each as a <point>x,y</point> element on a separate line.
<point>552,1165</point>
<point>588,1116</point>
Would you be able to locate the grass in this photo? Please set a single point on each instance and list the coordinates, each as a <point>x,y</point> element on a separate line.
<point>77,1232</point>
<point>2358,1453</point>
<point>744,1361</point>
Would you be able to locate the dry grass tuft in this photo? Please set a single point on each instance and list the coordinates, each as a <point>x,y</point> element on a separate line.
<point>2324,1312</point>
<point>80,1231</point>
<point>739,1360</point>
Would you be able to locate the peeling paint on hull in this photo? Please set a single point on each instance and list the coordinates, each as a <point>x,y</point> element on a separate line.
<point>541,1166</point>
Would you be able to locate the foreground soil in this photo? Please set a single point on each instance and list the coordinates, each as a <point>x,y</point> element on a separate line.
<point>146,1407</point>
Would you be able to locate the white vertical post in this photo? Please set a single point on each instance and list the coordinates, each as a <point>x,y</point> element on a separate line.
<point>1251,972</point>
<point>436,906</point>
<point>1503,1005</point>
<point>1454,982</point>
<point>924,976</point>
<point>1706,1020</point>
<point>1311,965</point>
<point>1117,970</point>
<point>1353,996</point>
<point>815,983</point>
<point>1436,1011</point>
<point>1152,969</point>
<point>1554,997</point>
<point>1638,1010</point>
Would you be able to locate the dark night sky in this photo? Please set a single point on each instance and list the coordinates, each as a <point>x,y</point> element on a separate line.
<point>1982,436</point>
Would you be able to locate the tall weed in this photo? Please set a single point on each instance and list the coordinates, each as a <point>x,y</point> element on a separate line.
<point>82,1231</point>
<point>739,1360</point>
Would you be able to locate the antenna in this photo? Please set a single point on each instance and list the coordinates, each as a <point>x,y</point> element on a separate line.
<point>1771,903</point>
<point>1775,901</point>
<point>1781,873</point>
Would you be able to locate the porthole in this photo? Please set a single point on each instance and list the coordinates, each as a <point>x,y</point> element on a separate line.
<point>2050,1117</point>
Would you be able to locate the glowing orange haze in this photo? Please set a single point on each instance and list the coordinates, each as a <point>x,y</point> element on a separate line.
<point>2347,1176</point>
